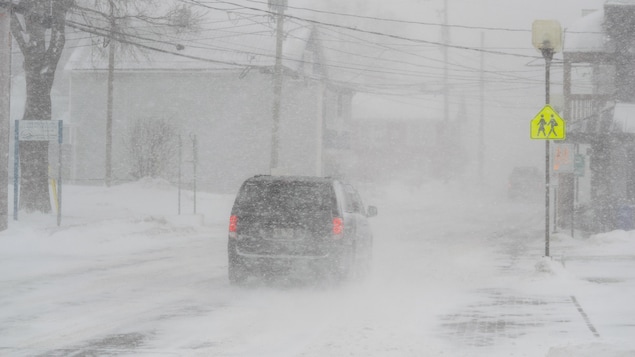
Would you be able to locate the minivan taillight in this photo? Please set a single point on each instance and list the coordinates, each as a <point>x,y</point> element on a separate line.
<point>338,227</point>
<point>233,225</point>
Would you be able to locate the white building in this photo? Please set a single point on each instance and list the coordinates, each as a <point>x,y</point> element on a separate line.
<point>217,85</point>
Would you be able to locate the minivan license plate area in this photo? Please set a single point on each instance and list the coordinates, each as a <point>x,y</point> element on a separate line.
<point>283,234</point>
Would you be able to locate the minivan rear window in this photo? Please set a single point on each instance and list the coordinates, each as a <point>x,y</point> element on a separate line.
<point>286,197</point>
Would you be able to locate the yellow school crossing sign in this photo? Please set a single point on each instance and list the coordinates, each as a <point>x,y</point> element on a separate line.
<point>548,125</point>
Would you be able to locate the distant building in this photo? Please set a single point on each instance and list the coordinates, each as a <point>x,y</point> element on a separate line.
<point>219,88</point>
<point>410,149</point>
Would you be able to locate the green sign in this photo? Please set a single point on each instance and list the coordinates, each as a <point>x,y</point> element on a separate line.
<point>579,165</point>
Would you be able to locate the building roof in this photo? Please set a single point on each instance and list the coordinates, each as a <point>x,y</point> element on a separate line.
<point>597,32</point>
<point>620,2</point>
<point>586,35</point>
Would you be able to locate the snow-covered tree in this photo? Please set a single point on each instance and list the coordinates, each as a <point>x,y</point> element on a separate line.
<point>39,30</point>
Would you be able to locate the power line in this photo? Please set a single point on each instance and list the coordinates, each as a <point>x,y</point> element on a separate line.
<point>367,71</point>
<point>369,31</point>
<point>456,65</point>
<point>95,31</point>
<point>463,68</point>
<point>400,21</point>
<point>105,32</point>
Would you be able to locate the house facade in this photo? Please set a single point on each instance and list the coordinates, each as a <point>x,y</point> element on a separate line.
<point>218,96</point>
<point>599,93</point>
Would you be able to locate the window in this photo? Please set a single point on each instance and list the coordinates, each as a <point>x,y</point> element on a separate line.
<point>286,197</point>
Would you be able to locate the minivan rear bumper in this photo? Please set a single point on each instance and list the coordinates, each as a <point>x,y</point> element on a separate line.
<point>255,263</point>
<point>280,256</point>
<point>280,250</point>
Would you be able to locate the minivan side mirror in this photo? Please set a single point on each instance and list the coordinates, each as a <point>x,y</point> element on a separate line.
<point>371,211</point>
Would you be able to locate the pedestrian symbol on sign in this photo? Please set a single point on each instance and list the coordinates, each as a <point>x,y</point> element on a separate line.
<point>539,125</point>
<point>553,124</point>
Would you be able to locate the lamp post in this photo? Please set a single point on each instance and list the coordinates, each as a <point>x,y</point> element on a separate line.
<point>547,38</point>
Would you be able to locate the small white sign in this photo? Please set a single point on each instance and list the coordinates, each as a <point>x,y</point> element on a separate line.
<point>38,130</point>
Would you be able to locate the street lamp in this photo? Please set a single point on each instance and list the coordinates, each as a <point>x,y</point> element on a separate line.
<point>547,38</point>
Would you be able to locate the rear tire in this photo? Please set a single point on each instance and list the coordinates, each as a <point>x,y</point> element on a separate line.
<point>236,271</point>
<point>367,264</point>
<point>236,274</point>
<point>334,271</point>
<point>344,270</point>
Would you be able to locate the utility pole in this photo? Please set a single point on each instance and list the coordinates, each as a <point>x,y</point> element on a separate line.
<point>446,86</point>
<point>444,141</point>
<point>278,6</point>
<point>481,129</point>
<point>111,74</point>
<point>5,102</point>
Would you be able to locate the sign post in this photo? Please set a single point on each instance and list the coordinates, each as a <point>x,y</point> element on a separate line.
<point>5,95</point>
<point>37,130</point>
<point>548,125</point>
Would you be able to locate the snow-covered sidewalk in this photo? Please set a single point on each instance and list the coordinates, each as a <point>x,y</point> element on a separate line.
<point>577,302</point>
<point>599,274</point>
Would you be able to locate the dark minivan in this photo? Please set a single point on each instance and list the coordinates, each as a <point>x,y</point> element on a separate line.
<point>292,224</point>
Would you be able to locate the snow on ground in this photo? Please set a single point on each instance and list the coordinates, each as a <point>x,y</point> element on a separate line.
<point>457,272</point>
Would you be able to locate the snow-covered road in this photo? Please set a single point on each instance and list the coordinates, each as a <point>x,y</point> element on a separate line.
<point>124,275</point>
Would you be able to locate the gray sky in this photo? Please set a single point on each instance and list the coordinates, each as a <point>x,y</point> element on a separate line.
<point>514,85</point>
<point>504,24</point>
